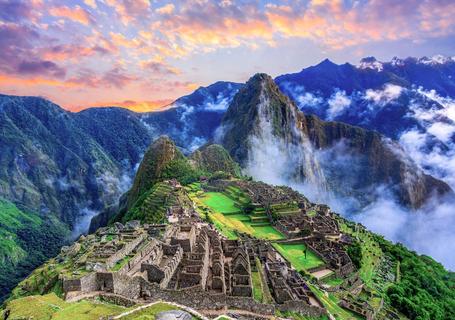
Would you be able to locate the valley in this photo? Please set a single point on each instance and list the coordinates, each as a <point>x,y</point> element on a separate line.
<point>60,169</point>
<point>221,244</point>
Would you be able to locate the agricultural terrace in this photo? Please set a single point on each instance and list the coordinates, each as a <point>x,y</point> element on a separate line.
<point>371,252</point>
<point>330,301</point>
<point>50,306</point>
<point>228,215</point>
<point>294,253</point>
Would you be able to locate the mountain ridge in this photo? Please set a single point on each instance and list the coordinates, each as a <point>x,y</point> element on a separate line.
<point>379,161</point>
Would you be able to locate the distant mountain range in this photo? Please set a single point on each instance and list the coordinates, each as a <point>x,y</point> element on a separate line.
<point>73,165</point>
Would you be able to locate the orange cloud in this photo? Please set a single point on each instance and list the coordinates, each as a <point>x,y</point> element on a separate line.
<point>167,9</point>
<point>120,40</point>
<point>137,106</point>
<point>35,81</point>
<point>76,14</point>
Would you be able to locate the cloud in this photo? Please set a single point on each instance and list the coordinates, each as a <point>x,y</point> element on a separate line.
<point>117,77</point>
<point>338,103</point>
<point>301,96</point>
<point>429,230</point>
<point>134,105</point>
<point>130,10</point>
<point>160,67</point>
<point>64,52</point>
<point>16,10</point>
<point>90,3</point>
<point>166,9</point>
<point>40,67</point>
<point>432,145</point>
<point>385,96</point>
<point>76,14</point>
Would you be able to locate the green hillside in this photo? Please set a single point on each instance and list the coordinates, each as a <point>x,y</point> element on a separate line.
<point>26,241</point>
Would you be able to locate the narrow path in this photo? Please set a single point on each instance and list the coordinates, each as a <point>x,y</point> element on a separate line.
<point>235,311</point>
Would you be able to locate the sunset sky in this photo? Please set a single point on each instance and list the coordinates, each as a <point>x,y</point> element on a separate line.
<point>143,54</point>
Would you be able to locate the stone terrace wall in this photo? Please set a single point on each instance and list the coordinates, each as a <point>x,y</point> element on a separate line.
<point>138,257</point>
<point>127,286</point>
<point>122,253</point>
<point>198,299</point>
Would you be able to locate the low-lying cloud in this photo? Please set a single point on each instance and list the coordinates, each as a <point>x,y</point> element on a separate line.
<point>428,230</point>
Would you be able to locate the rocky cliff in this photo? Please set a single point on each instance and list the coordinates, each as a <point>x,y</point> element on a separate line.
<point>264,131</point>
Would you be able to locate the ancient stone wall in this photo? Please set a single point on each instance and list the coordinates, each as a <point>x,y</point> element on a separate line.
<point>71,285</point>
<point>205,300</point>
<point>89,283</point>
<point>127,286</point>
<point>118,300</point>
<point>122,253</point>
<point>139,256</point>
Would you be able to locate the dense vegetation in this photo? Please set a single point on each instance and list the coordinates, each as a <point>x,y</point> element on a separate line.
<point>424,289</point>
<point>181,170</point>
<point>355,253</point>
<point>26,241</point>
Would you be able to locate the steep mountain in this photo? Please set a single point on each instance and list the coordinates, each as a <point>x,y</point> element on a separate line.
<point>164,161</point>
<point>61,168</point>
<point>214,158</point>
<point>161,153</point>
<point>266,133</point>
<point>156,260</point>
<point>120,132</point>
<point>410,100</point>
<point>27,240</point>
<point>52,163</point>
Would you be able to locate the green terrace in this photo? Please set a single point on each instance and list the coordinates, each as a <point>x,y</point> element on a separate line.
<point>283,209</point>
<point>50,306</point>
<point>231,211</point>
<point>151,207</point>
<point>295,254</point>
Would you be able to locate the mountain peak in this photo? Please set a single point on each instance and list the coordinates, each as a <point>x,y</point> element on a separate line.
<point>370,63</point>
<point>160,153</point>
<point>259,103</point>
<point>259,77</point>
<point>326,63</point>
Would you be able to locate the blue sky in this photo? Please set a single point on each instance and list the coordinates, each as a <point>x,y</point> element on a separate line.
<point>143,54</point>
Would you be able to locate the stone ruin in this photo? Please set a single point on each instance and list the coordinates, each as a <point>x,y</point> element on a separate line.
<point>190,263</point>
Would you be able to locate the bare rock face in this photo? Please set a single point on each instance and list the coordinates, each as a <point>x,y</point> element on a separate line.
<point>265,132</point>
<point>173,315</point>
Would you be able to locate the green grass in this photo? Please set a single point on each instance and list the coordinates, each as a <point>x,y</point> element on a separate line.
<point>257,286</point>
<point>219,202</point>
<point>371,254</point>
<point>294,254</point>
<point>227,217</point>
<point>331,303</point>
<point>121,263</point>
<point>266,232</point>
<point>298,316</point>
<point>52,307</point>
<point>331,281</point>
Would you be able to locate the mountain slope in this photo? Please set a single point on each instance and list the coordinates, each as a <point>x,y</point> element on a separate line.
<point>388,280</point>
<point>265,131</point>
<point>152,169</point>
<point>410,100</point>
<point>26,241</point>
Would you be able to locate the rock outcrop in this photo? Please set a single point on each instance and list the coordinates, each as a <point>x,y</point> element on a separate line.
<point>264,127</point>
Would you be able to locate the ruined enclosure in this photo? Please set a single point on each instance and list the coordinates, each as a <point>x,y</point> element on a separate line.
<point>191,260</point>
